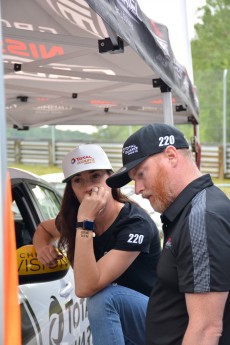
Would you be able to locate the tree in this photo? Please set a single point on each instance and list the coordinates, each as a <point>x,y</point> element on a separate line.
<point>114,133</point>
<point>44,133</point>
<point>211,55</point>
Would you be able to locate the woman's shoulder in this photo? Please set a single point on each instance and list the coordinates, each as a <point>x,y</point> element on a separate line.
<point>132,211</point>
<point>135,209</point>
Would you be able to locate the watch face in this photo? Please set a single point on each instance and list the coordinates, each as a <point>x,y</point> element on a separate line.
<point>86,225</point>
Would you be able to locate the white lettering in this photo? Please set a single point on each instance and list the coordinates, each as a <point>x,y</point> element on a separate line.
<point>135,238</point>
<point>27,26</point>
<point>129,150</point>
<point>167,140</point>
<point>79,14</point>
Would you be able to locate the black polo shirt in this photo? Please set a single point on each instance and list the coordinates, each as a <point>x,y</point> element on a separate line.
<point>195,259</point>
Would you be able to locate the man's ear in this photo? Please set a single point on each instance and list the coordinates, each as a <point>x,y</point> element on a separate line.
<point>171,154</point>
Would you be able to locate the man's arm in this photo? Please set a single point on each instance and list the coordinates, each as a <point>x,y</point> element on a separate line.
<point>205,312</point>
<point>45,236</point>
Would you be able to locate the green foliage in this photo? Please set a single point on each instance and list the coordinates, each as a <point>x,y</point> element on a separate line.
<point>46,133</point>
<point>211,48</point>
<point>37,169</point>
<point>211,55</point>
<point>187,130</point>
<point>114,133</point>
<point>104,133</point>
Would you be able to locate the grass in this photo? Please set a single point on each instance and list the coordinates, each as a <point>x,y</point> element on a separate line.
<point>224,185</point>
<point>38,169</point>
<point>221,181</point>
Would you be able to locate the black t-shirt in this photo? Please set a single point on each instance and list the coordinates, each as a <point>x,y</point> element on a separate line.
<point>195,259</point>
<point>133,230</point>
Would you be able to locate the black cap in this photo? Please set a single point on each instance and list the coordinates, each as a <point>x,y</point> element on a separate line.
<point>147,141</point>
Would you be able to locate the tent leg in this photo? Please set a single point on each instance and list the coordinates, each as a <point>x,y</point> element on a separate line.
<point>196,146</point>
<point>167,100</point>
<point>167,107</point>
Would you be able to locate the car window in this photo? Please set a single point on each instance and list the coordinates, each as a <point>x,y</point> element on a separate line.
<point>29,209</point>
<point>23,227</point>
<point>47,200</point>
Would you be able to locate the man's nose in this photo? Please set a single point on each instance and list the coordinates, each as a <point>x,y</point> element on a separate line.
<point>138,187</point>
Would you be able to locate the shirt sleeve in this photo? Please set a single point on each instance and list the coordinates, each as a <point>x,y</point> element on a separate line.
<point>135,234</point>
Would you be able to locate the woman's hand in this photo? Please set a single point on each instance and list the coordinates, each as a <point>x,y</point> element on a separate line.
<point>48,255</point>
<point>93,204</point>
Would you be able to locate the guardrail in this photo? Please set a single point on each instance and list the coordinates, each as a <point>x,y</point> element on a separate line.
<point>45,153</point>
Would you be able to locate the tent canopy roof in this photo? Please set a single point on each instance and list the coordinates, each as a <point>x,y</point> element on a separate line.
<point>56,72</point>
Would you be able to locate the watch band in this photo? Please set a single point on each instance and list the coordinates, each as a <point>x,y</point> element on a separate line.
<point>85,225</point>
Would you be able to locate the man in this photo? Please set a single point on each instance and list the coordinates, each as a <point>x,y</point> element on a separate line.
<point>190,304</point>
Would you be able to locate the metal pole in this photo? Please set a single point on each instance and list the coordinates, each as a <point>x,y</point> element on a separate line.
<point>130,130</point>
<point>53,144</point>
<point>167,108</point>
<point>224,118</point>
<point>167,100</point>
<point>185,18</point>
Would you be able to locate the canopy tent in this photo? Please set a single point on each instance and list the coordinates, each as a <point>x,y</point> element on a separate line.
<point>90,63</point>
<point>85,62</point>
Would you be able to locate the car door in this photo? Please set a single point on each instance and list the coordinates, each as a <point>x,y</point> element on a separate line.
<point>51,314</point>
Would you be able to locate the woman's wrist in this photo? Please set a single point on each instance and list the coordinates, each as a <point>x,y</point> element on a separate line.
<point>84,233</point>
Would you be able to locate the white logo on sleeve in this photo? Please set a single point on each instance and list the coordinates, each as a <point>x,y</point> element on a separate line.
<point>135,238</point>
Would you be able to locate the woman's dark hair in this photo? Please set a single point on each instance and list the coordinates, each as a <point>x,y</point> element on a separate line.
<point>67,217</point>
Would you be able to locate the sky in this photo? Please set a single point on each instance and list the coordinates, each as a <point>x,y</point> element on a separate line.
<point>158,12</point>
<point>179,16</point>
<point>180,32</point>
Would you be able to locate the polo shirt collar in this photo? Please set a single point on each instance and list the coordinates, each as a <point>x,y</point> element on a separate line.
<point>185,197</point>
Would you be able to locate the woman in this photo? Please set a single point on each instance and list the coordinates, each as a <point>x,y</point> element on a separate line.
<point>112,244</point>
